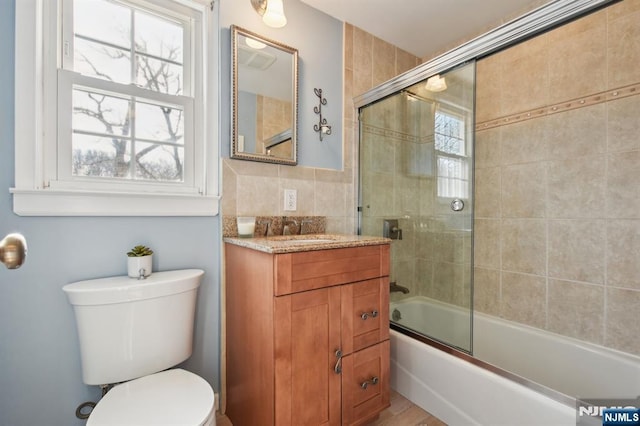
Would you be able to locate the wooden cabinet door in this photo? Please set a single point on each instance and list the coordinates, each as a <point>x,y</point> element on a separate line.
<point>365,384</point>
<point>307,336</point>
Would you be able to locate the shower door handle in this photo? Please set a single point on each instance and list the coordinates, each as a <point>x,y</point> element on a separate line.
<point>457,205</point>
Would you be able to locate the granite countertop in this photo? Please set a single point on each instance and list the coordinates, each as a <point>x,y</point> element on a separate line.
<point>310,242</point>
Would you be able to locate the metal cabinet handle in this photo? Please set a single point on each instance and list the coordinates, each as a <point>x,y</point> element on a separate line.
<point>365,315</point>
<point>338,367</point>
<point>373,381</point>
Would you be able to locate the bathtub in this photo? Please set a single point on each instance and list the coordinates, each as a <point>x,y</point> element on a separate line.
<point>461,393</point>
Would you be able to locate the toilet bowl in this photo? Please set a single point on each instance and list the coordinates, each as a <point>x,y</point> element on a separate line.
<point>132,332</point>
<point>172,397</point>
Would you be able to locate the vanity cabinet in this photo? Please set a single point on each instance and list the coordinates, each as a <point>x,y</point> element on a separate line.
<point>307,335</point>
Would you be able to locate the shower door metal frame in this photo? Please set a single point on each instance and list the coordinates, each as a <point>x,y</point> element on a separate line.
<point>528,25</point>
<point>537,21</point>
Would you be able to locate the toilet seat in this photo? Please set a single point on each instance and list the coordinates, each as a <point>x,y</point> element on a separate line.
<point>172,397</point>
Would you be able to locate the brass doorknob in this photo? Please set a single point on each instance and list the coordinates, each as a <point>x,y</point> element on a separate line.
<point>13,251</point>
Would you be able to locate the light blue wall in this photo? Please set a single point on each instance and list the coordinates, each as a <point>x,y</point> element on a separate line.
<point>318,38</point>
<point>40,377</point>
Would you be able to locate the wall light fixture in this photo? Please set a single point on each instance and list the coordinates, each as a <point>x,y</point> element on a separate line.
<point>272,12</point>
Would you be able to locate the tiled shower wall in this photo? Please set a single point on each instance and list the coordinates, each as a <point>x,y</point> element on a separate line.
<point>557,206</point>
<point>251,188</point>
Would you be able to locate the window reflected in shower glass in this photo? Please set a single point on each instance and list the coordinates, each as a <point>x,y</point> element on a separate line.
<point>450,144</point>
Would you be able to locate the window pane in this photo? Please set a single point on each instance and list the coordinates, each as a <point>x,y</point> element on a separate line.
<point>98,113</point>
<point>101,61</point>
<point>159,76</point>
<point>159,162</point>
<point>96,156</point>
<point>158,37</point>
<point>103,20</point>
<point>159,123</point>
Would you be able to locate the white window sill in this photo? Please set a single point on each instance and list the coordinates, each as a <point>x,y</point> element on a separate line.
<point>49,202</point>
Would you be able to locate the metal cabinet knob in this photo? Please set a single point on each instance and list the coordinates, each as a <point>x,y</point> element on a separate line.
<point>373,381</point>
<point>365,315</point>
<point>13,251</point>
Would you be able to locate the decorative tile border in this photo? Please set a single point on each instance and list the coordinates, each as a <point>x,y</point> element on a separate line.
<point>589,100</point>
<point>388,133</point>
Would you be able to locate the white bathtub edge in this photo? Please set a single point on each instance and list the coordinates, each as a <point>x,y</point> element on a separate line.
<point>460,393</point>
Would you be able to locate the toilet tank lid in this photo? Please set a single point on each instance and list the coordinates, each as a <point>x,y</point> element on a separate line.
<point>122,289</point>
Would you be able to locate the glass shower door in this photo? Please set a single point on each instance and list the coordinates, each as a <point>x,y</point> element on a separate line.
<point>416,168</point>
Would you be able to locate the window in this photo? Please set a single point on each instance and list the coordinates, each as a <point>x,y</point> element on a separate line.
<point>451,150</point>
<point>120,126</point>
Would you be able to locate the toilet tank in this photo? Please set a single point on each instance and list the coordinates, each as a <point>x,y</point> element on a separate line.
<point>130,328</point>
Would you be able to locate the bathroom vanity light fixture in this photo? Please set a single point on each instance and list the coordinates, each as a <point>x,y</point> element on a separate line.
<point>436,84</point>
<point>272,12</point>
<point>322,127</point>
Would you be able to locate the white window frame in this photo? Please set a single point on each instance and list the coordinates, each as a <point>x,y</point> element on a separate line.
<point>39,192</point>
<point>463,157</point>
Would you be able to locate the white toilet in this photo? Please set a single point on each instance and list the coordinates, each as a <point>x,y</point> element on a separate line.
<point>131,331</point>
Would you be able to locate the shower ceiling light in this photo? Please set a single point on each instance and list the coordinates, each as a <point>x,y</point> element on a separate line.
<point>436,84</point>
<point>272,12</point>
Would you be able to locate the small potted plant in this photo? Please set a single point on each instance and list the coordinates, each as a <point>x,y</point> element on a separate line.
<point>139,262</point>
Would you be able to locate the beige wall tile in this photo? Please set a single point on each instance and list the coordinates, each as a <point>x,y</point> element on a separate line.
<point>362,61</point>
<point>623,253</point>
<point>405,61</point>
<point>576,310</point>
<point>487,193</point>
<point>577,132</point>
<point>623,188</point>
<point>525,142</point>
<point>576,187</point>
<point>578,58</point>
<point>524,246</point>
<point>576,250</point>
<point>258,196</point>
<point>623,52</point>
<point>622,9</point>
<point>530,58</point>
<point>489,93</point>
<point>523,190</point>
<point>524,299</point>
<point>384,61</point>
<point>623,124</point>
<point>330,199</point>
<point>487,148</point>
<point>487,243</point>
<point>622,325</point>
<point>486,291</point>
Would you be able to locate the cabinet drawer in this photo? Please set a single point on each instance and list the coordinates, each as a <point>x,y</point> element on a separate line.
<point>365,314</point>
<point>365,384</point>
<point>295,272</point>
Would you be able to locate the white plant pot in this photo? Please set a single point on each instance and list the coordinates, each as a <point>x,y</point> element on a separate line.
<point>139,266</point>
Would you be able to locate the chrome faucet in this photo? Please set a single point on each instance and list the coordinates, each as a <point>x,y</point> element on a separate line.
<point>267,227</point>
<point>287,230</point>
<point>393,287</point>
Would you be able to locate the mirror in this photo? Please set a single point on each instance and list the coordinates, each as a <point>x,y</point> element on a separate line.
<point>265,99</point>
